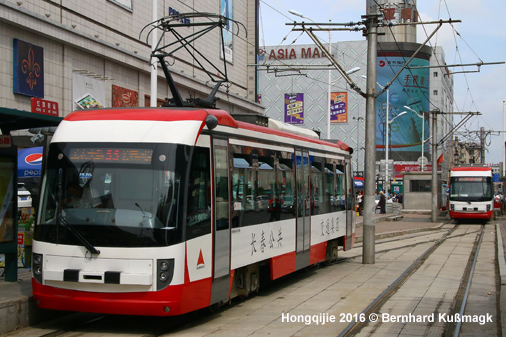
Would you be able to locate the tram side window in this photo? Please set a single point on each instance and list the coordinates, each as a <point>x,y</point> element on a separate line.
<point>340,188</point>
<point>262,187</point>
<point>198,208</point>
<point>286,180</point>
<point>318,204</point>
<point>243,189</point>
<point>252,181</point>
<point>329,192</point>
<point>350,200</point>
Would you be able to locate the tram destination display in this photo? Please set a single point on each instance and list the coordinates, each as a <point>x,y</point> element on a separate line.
<point>116,155</point>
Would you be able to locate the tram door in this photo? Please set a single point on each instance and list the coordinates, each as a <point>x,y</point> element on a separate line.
<point>303,200</point>
<point>221,226</point>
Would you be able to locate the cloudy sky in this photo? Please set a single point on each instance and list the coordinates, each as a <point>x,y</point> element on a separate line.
<point>480,37</point>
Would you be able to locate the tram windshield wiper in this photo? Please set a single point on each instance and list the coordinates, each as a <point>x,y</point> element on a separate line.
<point>79,236</point>
<point>60,219</point>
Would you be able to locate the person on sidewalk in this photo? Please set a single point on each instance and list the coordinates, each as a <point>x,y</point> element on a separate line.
<point>382,203</point>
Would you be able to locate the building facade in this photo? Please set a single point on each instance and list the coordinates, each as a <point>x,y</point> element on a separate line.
<point>84,53</point>
<point>295,88</point>
<point>298,86</point>
<point>295,84</point>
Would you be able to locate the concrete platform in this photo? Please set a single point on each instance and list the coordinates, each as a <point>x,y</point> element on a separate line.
<point>17,309</point>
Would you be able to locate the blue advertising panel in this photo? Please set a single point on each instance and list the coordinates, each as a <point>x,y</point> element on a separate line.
<point>411,89</point>
<point>227,10</point>
<point>28,69</point>
<point>29,162</point>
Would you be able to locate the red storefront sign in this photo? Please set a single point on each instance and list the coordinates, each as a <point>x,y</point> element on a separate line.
<point>399,168</point>
<point>45,107</point>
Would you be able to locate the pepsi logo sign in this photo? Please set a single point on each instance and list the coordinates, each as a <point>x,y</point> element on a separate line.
<point>34,159</point>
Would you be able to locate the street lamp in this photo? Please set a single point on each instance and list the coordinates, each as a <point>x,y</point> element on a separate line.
<point>388,145</point>
<point>386,127</point>
<point>329,91</point>
<point>299,14</point>
<point>423,132</point>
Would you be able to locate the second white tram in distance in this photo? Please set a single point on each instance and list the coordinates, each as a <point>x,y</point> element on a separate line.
<point>471,193</point>
<point>156,211</point>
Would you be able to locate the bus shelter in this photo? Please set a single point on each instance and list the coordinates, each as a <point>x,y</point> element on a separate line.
<point>11,120</point>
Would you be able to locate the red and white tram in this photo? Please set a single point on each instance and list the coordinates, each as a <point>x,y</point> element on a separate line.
<point>471,193</point>
<point>157,211</point>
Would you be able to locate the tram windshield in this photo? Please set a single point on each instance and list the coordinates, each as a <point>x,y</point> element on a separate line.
<point>114,195</point>
<point>471,189</point>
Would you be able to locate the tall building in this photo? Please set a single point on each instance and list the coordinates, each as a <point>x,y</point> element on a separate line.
<point>296,86</point>
<point>82,53</point>
<point>395,12</point>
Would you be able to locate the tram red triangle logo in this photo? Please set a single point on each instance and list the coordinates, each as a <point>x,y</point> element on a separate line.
<point>200,261</point>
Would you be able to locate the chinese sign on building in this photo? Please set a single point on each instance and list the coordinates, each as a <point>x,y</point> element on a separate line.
<point>338,107</point>
<point>294,108</point>
<point>410,89</point>
<point>44,107</point>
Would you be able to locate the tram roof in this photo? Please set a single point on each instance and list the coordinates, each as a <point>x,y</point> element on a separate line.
<point>190,114</point>
<point>471,168</point>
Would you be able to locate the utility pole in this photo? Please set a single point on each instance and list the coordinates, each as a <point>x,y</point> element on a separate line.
<point>434,182</point>
<point>368,247</point>
<point>482,145</point>
<point>371,20</point>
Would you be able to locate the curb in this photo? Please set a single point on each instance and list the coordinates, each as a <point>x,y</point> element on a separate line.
<point>502,274</point>
<point>387,235</point>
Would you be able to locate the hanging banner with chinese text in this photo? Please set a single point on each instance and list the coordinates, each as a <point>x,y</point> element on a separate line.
<point>410,89</point>
<point>227,10</point>
<point>294,108</point>
<point>339,107</point>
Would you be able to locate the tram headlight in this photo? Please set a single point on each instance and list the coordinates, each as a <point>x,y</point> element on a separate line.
<point>37,262</point>
<point>164,265</point>
<point>164,272</point>
<point>163,276</point>
<point>489,208</point>
<point>37,259</point>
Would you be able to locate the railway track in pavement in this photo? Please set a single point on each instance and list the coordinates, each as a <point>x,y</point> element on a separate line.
<point>333,289</point>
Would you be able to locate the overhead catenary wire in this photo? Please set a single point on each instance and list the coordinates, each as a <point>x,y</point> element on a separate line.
<point>459,41</point>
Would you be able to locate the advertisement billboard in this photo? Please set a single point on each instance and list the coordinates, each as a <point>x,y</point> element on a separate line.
<point>339,107</point>
<point>410,89</point>
<point>28,69</point>
<point>294,108</point>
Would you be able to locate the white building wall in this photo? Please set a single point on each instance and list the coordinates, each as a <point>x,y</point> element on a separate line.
<point>99,39</point>
<point>441,96</point>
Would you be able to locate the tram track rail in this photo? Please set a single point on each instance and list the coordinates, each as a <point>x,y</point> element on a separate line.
<point>400,239</point>
<point>91,323</point>
<point>453,329</point>
<point>354,327</point>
